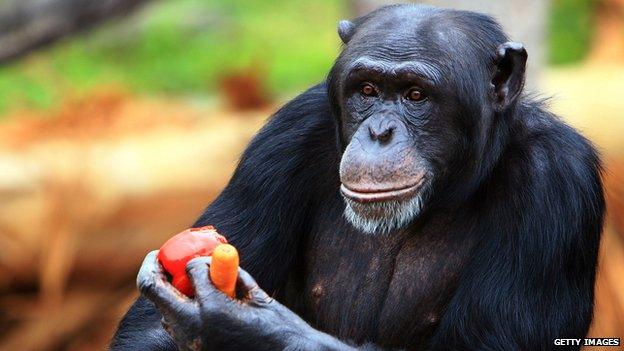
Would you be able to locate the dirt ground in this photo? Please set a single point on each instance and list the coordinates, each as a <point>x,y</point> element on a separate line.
<point>87,189</point>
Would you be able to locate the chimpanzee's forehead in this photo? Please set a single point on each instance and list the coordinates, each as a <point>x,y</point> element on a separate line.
<point>415,33</point>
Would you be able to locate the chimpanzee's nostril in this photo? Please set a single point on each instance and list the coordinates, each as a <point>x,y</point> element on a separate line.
<point>383,136</point>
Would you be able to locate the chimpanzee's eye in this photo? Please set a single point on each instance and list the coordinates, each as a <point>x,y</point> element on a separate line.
<point>368,89</point>
<point>414,94</point>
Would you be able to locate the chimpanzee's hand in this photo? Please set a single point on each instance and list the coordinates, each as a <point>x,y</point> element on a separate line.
<point>213,321</point>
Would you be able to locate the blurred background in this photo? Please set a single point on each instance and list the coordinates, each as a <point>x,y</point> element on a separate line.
<point>120,120</point>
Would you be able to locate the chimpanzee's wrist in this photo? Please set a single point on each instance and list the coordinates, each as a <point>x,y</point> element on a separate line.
<point>297,334</point>
<point>315,340</point>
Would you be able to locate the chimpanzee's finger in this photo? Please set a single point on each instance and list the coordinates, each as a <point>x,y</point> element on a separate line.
<point>153,283</point>
<point>245,281</point>
<point>213,303</point>
<point>198,270</point>
<point>247,286</point>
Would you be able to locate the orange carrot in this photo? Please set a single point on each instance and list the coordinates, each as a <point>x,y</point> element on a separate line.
<point>224,269</point>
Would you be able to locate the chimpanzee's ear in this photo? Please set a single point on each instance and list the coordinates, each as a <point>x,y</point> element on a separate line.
<point>346,29</point>
<point>508,78</point>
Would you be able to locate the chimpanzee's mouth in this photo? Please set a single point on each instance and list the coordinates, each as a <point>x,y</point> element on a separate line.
<point>382,209</point>
<point>371,194</point>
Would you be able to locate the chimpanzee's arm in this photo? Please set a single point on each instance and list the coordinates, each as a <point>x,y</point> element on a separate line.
<point>264,208</point>
<point>141,329</point>
<point>213,321</point>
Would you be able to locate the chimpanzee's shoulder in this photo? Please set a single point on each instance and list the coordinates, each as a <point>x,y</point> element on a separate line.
<point>312,104</point>
<point>540,130</point>
<point>306,122</point>
<point>551,151</point>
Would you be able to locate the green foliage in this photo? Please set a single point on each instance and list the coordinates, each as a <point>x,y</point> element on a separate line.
<point>183,47</point>
<point>570,30</point>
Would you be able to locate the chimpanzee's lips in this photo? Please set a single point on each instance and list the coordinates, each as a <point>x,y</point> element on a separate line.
<point>369,194</point>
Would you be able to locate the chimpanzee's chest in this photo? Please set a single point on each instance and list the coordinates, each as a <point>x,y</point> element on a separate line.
<point>389,289</point>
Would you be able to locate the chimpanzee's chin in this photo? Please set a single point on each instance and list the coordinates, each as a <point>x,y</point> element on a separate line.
<point>382,217</point>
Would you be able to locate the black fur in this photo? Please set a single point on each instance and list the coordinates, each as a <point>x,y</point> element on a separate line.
<point>524,192</point>
<point>140,329</point>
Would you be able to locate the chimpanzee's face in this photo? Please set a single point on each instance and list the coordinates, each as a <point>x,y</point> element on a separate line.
<point>399,126</point>
<point>389,121</point>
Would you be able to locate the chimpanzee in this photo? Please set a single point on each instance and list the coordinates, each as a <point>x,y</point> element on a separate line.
<point>416,199</point>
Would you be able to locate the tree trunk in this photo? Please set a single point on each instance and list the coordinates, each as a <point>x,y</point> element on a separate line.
<point>26,25</point>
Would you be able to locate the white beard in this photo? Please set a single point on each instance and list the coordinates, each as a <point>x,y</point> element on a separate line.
<point>383,217</point>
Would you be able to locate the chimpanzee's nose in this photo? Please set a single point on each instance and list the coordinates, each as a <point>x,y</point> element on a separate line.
<point>381,132</point>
